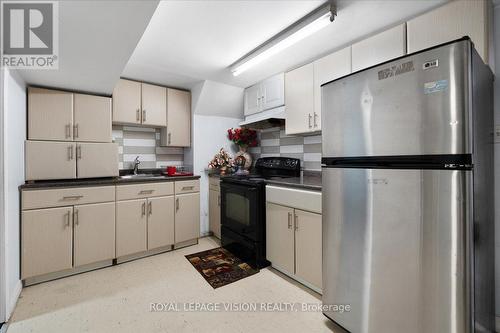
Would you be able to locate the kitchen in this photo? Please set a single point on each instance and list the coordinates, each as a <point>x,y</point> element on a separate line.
<point>186,169</point>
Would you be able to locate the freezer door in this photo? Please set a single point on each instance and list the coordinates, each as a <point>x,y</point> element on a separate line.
<point>396,250</point>
<point>417,105</point>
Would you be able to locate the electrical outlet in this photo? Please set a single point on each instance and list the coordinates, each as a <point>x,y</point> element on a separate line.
<point>497,133</point>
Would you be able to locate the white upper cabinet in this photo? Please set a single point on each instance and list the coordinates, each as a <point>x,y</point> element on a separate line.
<point>92,118</point>
<point>178,131</point>
<point>265,95</point>
<point>299,100</point>
<point>384,46</point>
<point>154,105</point>
<point>326,69</point>
<point>127,102</point>
<point>252,100</point>
<point>50,115</point>
<point>452,21</point>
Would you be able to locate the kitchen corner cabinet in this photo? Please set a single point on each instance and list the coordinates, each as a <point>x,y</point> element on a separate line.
<point>265,95</point>
<point>178,131</point>
<point>328,68</point>
<point>138,103</point>
<point>384,46</point>
<point>299,100</point>
<point>451,21</point>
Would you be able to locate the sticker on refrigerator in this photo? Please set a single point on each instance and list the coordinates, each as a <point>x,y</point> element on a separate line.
<point>435,86</point>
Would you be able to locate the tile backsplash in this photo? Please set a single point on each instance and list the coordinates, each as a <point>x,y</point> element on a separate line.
<point>274,142</point>
<point>145,143</point>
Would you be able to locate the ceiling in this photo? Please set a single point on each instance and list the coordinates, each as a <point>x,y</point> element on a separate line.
<point>96,39</point>
<point>189,41</point>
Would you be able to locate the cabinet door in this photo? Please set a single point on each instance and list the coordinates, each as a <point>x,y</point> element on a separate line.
<point>252,100</point>
<point>92,121</point>
<point>326,69</point>
<point>299,100</point>
<point>187,217</point>
<point>50,115</point>
<point>273,91</point>
<point>94,233</point>
<point>384,46</point>
<point>279,237</point>
<point>214,212</point>
<point>154,105</point>
<point>50,160</point>
<point>451,21</point>
<point>46,241</point>
<point>161,217</point>
<point>178,131</point>
<point>97,160</point>
<point>131,227</point>
<point>127,102</point>
<point>308,250</point>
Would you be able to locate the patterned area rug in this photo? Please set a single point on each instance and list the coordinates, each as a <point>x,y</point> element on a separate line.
<point>220,267</point>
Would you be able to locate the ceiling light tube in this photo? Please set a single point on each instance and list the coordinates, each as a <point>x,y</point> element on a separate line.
<point>304,27</point>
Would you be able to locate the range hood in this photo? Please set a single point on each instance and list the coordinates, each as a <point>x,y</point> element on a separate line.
<point>265,119</point>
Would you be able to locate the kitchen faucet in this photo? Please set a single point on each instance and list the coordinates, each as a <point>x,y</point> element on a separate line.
<point>136,165</point>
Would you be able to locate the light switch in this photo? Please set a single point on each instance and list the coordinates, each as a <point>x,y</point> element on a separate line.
<point>497,133</point>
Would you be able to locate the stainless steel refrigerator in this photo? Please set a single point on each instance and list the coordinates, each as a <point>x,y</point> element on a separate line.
<point>408,221</point>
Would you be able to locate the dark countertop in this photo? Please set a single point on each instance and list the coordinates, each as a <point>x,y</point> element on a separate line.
<point>310,180</point>
<point>101,181</point>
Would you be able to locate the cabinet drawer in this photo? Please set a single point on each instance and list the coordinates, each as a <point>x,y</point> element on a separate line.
<point>187,186</point>
<point>138,191</point>
<point>301,199</point>
<point>32,199</point>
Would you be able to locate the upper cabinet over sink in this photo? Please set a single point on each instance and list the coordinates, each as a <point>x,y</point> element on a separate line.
<point>137,103</point>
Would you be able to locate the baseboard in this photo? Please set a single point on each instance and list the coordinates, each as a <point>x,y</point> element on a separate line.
<point>13,300</point>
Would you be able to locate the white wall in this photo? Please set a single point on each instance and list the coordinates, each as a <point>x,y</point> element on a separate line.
<point>14,134</point>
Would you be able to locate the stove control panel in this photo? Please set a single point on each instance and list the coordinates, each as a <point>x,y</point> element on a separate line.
<point>282,163</point>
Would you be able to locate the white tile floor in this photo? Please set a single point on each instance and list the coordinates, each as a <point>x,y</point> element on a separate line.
<point>118,299</point>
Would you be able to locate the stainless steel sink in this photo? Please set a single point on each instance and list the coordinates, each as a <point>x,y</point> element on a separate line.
<point>142,175</point>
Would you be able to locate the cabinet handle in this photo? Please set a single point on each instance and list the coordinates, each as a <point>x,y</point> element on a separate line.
<point>296,218</point>
<point>78,152</point>
<point>315,116</point>
<point>68,131</point>
<point>146,191</point>
<point>177,204</point>
<point>310,118</point>
<point>70,153</point>
<point>144,115</point>
<point>187,188</point>
<point>143,211</point>
<point>150,208</point>
<point>67,218</point>
<point>138,115</point>
<point>73,197</point>
<point>75,130</point>
<point>169,137</point>
<point>75,217</point>
<point>289,220</point>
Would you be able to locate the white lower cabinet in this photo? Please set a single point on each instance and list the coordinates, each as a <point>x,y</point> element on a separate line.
<point>47,241</point>
<point>161,226</point>
<point>214,212</point>
<point>187,217</point>
<point>94,233</point>
<point>294,244</point>
<point>131,229</point>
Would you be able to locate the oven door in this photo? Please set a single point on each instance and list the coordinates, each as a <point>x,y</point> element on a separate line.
<point>239,209</point>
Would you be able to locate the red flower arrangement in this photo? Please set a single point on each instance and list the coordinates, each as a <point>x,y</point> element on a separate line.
<point>243,137</point>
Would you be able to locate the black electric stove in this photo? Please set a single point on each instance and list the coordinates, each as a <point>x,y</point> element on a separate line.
<point>243,208</point>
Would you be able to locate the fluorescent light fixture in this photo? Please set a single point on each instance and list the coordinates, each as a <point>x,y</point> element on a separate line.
<point>306,26</point>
